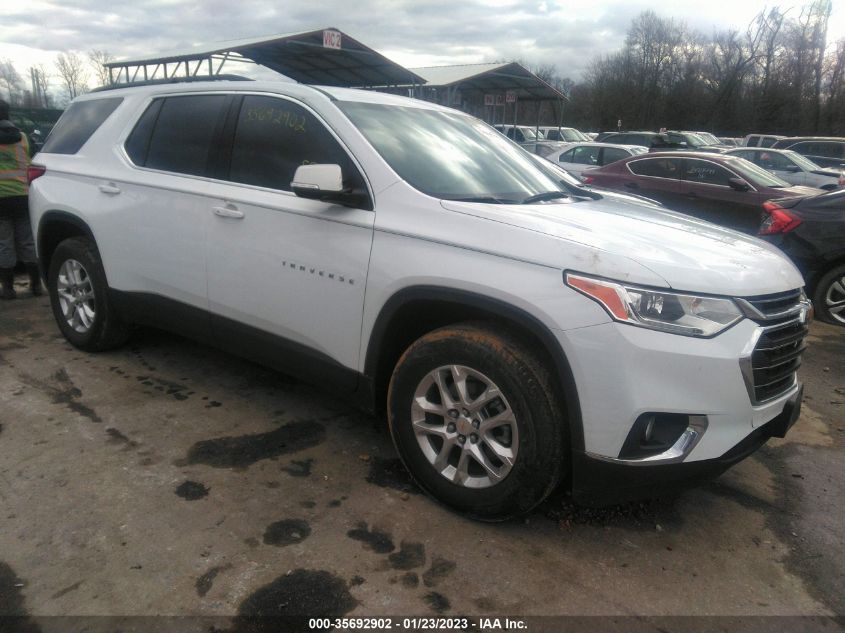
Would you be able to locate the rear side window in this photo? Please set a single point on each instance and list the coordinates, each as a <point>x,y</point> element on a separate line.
<point>612,154</point>
<point>275,136</point>
<point>176,133</point>
<point>584,156</point>
<point>656,167</point>
<point>184,131</point>
<point>77,125</point>
<point>767,141</point>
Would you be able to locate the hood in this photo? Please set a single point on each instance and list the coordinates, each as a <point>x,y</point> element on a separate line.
<point>689,254</point>
<point>9,134</point>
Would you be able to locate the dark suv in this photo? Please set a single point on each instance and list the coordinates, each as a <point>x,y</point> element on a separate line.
<point>827,151</point>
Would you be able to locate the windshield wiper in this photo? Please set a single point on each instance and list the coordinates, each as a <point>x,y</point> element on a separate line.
<point>486,199</point>
<point>546,195</point>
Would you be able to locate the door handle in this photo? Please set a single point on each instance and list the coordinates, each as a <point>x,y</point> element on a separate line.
<point>109,188</point>
<point>228,212</point>
<point>632,185</point>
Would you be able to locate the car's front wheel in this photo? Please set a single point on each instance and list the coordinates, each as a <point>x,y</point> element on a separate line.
<point>829,297</point>
<point>79,297</point>
<point>476,420</point>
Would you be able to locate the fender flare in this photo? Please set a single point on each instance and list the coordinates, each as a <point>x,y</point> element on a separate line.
<point>493,307</point>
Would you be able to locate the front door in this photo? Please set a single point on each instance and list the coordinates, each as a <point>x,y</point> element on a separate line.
<point>286,275</point>
<point>708,195</point>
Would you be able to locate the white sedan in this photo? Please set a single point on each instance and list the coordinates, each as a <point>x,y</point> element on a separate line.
<point>576,157</point>
<point>792,167</point>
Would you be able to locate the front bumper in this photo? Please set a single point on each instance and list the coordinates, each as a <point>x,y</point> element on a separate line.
<point>598,482</point>
<point>623,372</point>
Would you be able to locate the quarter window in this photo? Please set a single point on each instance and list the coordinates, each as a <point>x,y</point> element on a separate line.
<point>77,125</point>
<point>275,136</point>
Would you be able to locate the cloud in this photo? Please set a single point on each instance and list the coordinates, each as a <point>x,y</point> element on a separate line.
<point>566,33</point>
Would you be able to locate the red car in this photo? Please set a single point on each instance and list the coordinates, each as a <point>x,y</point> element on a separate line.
<point>726,190</point>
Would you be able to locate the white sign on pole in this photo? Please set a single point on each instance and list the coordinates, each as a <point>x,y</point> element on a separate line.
<point>500,100</point>
<point>510,96</point>
<point>489,100</point>
<point>331,39</point>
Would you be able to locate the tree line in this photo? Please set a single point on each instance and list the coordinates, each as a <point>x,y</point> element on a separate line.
<point>73,72</point>
<point>780,75</point>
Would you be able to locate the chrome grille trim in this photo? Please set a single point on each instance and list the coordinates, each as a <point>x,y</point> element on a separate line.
<point>770,368</point>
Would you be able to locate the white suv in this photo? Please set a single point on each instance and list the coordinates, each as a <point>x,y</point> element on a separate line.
<point>517,329</point>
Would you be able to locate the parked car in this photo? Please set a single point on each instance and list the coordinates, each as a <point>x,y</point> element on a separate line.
<point>517,331</point>
<point>520,133</point>
<point>542,148</point>
<point>567,134</point>
<point>812,232</point>
<point>677,141</point>
<point>761,140</point>
<point>693,141</point>
<point>824,151</point>
<point>711,140</point>
<point>792,167</point>
<point>726,190</point>
<point>576,157</point>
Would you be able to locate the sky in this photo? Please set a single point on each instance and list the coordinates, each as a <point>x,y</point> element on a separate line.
<point>566,33</point>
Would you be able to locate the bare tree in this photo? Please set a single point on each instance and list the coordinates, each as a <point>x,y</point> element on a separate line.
<point>72,73</point>
<point>10,82</point>
<point>40,85</point>
<point>99,59</point>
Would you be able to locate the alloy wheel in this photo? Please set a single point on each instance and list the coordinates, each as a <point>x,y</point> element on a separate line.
<point>465,426</point>
<point>75,291</point>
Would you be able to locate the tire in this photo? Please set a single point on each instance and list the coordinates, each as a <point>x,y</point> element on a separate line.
<point>829,297</point>
<point>76,271</point>
<point>534,434</point>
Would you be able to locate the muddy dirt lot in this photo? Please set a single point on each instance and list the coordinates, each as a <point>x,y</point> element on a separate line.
<point>168,478</point>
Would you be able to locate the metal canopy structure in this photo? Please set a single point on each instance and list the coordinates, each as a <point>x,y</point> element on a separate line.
<point>326,57</point>
<point>495,78</point>
<point>485,89</point>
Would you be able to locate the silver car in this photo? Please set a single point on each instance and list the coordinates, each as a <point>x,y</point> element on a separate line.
<point>576,157</point>
<point>792,167</point>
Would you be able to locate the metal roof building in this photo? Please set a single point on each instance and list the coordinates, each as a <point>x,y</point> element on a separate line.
<point>491,91</point>
<point>325,57</point>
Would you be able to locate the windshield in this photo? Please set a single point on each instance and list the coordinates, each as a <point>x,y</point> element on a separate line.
<point>803,162</point>
<point>571,135</point>
<point>449,155</point>
<point>709,138</point>
<point>757,175</point>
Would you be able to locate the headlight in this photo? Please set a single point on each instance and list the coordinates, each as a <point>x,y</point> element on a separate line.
<point>662,310</point>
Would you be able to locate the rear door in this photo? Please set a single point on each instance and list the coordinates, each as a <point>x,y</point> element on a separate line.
<point>286,275</point>
<point>158,211</point>
<point>656,177</point>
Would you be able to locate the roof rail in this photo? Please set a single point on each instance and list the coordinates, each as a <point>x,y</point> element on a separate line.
<point>172,80</point>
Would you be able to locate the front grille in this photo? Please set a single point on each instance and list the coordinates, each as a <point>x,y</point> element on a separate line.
<point>770,307</point>
<point>776,358</point>
<point>771,369</point>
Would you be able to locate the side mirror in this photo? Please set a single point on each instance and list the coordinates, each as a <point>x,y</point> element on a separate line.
<point>792,168</point>
<point>317,181</point>
<point>325,182</point>
<point>738,184</point>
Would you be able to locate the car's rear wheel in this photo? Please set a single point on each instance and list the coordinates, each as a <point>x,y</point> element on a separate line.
<point>476,420</point>
<point>829,297</point>
<point>79,297</point>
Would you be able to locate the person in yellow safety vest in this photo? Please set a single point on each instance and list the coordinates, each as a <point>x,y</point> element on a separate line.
<point>16,242</point>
